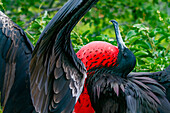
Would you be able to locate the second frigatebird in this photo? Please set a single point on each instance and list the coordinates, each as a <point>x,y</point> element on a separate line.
<point>109,86</point>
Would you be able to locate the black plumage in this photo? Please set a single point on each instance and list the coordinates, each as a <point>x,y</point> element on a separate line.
<point>58,69</point>
<point>134,94</point>
<point>48,78</point>
<point>163,77</point>
<point>15,55</point>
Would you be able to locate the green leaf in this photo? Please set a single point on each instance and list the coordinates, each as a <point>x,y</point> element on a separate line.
<point>155,31</point>
<point>130,34</point>
<point>133,39</point>
<point>141,27</point>
<point>145,60</point>
<point>142,44</point>
<point>160,39</point>
<point>85,33</point>
<point>141,53</point>
<point>35,25</point>
<point>151,60</point>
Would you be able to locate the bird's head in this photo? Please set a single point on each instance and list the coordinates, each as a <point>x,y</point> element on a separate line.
<point>107,58</point>
<point>126,60</point>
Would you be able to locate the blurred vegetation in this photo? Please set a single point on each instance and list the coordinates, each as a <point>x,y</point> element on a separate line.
<point>144,25</point>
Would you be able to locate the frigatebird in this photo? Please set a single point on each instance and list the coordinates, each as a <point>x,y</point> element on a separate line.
<point>49,77</point>
<point>109,86</point>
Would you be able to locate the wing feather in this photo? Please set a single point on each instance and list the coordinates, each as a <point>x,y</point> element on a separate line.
<point>139,94</point>
<point>150,94</point>
<point>15,56</point>
<point>54,54</point>
<point>163,77</point>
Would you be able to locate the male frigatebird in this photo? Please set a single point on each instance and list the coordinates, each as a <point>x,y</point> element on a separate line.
<point>49,77</point>
<point>110,87</point>
<point>163,77</point>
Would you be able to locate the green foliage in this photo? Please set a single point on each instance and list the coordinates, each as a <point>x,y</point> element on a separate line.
<point>144,26</point>
<point>0,109</point>
<point>36,27</point>
<point>150,47</point>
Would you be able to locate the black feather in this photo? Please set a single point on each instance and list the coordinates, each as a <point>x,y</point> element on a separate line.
<point>139,94</point>
<point>15,55</point>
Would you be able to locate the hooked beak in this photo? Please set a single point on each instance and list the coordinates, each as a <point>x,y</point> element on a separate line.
<point>121,44</point>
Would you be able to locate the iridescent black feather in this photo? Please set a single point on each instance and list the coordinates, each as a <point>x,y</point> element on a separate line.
<point>135,94</point>
<point>15,55</point>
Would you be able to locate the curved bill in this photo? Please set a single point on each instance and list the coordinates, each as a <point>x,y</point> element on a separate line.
<point>121,44</point>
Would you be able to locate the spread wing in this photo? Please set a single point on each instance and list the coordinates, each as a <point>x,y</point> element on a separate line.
<point>57,75</point>
<point>134,94</point>
<point>15,55</point>
<point>152,89</point>
<point>163,77</point>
